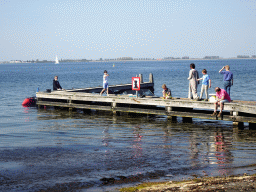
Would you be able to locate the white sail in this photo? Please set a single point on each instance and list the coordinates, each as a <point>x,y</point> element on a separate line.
<point>56,60</point>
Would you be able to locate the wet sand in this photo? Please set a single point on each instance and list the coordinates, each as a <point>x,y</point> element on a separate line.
<point>223,184</point>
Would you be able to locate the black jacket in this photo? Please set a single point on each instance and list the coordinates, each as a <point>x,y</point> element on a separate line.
<point>56,85</point>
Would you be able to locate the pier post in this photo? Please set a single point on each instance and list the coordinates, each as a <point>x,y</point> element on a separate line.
<point>239,125</point>
<point>70,109</point>
<point>70,102</point>
<point>172,118</point>
<point>168,110</point>
<point>151,79</point>
<point>252,126</point>
<point>187,120</point>
<point>113,106</point>
<point>86,111</point>
<point>141,78</point>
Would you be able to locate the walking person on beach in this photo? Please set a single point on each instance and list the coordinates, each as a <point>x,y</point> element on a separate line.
<point>193,76</point>
<point>105,82</point>
<point>228,78</point>
<point>222,97</point>
<point>206,82</point>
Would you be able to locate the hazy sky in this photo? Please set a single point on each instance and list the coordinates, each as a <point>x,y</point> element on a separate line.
<point>92,29</point>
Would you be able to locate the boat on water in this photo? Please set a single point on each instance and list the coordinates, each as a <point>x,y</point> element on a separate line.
<point>56,60</point>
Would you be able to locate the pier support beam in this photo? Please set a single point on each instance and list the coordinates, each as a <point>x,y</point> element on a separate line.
<point>86,111</point>
<point>252,126</point>
<point>168,110</point>
<point>113,106</point>
<point>172,118</point>
<point>187,120</point>
<point>116,113</point>
<point>239,125</point>
<point>70,109</point>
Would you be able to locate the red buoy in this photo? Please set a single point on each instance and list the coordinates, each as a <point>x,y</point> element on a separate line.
<point>28,102</point>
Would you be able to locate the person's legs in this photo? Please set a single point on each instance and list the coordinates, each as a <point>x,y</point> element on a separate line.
<point>228,88</point>
<point>194,91</point>
<point>107,88</point>
<point>202,90</point>
<point>189,91</point>
<point>226,84</point>
<point>104,88</point>
<point>102,91</point>
<point>215,108</point>
<point>206,92</point>
<point>222,106</point>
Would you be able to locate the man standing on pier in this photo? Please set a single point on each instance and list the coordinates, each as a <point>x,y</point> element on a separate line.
<point>193,76</point>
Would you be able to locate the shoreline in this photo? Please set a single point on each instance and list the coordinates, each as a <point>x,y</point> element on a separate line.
<point>110,61</point>
<point>228,183</point>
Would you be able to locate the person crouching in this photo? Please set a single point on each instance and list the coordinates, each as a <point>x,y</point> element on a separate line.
<point>167,94</point>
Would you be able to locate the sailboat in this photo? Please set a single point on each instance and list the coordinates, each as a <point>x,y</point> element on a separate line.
<point>56,60</point>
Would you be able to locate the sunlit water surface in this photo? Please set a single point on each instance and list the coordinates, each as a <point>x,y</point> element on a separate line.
<point>46,149</point>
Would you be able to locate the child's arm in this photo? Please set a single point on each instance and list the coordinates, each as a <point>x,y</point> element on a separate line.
<point>200,79</point>
<point>210,83</point>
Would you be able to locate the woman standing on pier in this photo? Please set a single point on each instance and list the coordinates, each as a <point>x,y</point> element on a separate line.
<point>228,78</point>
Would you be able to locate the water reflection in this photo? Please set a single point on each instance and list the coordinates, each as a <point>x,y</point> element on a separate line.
<point>102,147</point>
<point>223,153</point>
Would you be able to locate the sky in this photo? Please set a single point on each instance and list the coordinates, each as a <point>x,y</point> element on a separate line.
<point>93,29</point>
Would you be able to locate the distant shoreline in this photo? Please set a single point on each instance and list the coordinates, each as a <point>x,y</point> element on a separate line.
<point>78,61</point>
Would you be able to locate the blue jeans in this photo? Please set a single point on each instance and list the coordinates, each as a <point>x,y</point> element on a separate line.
<point>227,86</point>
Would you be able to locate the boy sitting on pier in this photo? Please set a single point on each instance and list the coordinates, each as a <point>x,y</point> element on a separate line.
<point>206,81</point>
<point>167,94</point>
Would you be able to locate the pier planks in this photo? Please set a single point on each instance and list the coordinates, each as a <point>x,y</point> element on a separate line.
<point>238,111</point>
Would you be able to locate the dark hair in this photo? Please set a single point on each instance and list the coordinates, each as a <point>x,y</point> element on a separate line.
<point>192,65</point>
<point>105,71</point>
<point>217,89</point>
<point>204,71</point>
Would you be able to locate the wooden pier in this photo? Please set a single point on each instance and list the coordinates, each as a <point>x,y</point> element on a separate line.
<point>89,99</point>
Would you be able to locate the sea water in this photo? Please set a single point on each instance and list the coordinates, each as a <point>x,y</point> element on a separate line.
<point>46,149</point>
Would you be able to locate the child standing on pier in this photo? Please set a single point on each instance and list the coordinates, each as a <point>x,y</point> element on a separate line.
<point>167,94</point>
<point>105,82</point>
<point>205,84</point>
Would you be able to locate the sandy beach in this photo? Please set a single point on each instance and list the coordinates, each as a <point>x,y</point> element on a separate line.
<point>223,184</point>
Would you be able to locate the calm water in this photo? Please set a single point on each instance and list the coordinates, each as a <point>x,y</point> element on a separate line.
<point>55,149</point>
